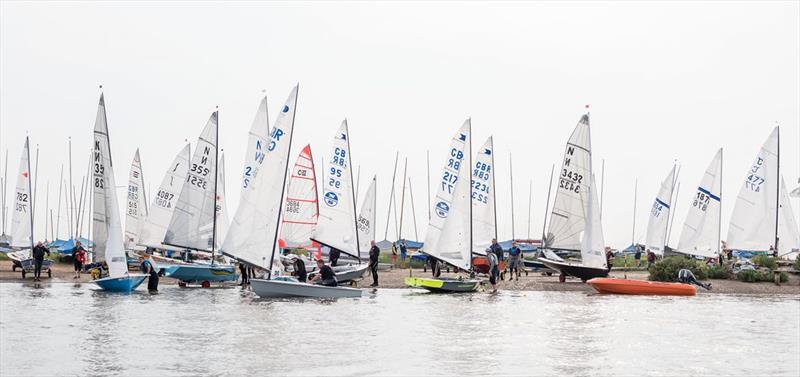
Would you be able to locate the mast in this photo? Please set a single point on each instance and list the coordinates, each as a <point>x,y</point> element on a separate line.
<point>58,211</point>
<point>602,185</point>
<point>469,197</point>
<point>719,217</point>
<point>283,188</point>
<point>633,231</point>
<point>530,200</point>
<point>428,160</point>
<point>35,183</point>
<point>5,186</point>
<point>216,180</point>
<point>402,200</point>
<point>778,190</point>
<point>413,211</point>
<point>672,195</point>
<point>355,213</point>
<point>672,217</point>
<point>46,208</point>
<point>28,148</point>
<point>358,181</point>
<point>547,205</point>
<point>391,197</point>
<point>511,175</point>
<point>72,228</point>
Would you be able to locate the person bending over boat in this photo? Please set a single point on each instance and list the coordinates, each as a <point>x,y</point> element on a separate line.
<point>78,258</point>
<point>325,276</point>
<point>300,270</point>
<point>38,258</point>
<point>374,254</point>
<point>687,277</point>
<point>333,256</point>
<point>494,270</point>
<point>147,267</point>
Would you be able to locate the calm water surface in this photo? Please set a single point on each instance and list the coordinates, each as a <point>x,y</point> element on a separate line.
<point>66,329</point>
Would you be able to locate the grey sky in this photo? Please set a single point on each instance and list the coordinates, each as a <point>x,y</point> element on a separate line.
<point>665,81</point>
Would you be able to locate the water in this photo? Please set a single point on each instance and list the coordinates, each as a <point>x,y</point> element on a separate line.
<point>65,329</point>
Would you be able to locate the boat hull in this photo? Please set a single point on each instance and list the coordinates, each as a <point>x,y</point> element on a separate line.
<point>444,285</point>
<point>579,271</point>
<point>123,284</point>
<point>639,287</point>
<point>198,273</point>
<point>287,289</point>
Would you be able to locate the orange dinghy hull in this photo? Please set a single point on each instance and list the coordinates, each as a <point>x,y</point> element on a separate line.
<point>639,287</point>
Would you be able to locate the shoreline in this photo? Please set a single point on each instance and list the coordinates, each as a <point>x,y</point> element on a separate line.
<point>534,281</point>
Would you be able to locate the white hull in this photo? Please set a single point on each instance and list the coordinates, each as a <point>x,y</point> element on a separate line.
<point>280,288</point>
<point>346,274</point>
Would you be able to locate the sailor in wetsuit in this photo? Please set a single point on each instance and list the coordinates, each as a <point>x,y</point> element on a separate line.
<point>325,276</point>
<point>300,269</point>
<point>687,277</point>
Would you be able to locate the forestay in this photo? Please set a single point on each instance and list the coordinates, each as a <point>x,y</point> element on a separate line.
<point>593,250</point>
<point>455,241</point>
<point>301,207</point>
<point>253,232</point>
<point>195,208</point>
<point>107,224</point>
<point>568,217</point>
<point>484,228</point>
<point>21,236</point>
<point>701,233</point>
<point>752,225</point>
<point>136,204</point>
<point>788,232</point>
<point>337,215</point>
<point>165,200</point>
<point>256,144</point>
<point>366,220</point>
<point>446,185</point>
<point>659,215</point>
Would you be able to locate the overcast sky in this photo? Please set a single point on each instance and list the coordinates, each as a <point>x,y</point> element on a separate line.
<point>665,81</point>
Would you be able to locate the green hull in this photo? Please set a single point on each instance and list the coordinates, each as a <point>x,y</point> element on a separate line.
<point>444,285</point>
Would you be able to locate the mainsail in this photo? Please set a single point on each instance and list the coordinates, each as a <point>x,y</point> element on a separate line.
<point>196,204</point>
<point>444,194</point>
<point>336,227</point>
<point>256,144</point>
<point>593,250</point>
<point>455,241</point>
<point>788,232</point>
<point>568,217</point>
<point>252,235</point>
<point>165,200</point>
<point>700,234</point>
<point>301,207</point>
<point>136,204</point>
<point>484,227</point>
<point>22,218</point>
<point>366,220</point>
<point>659,215</point>
<point>752,225</point>
<point>222,207</point>
<point>107,224</point>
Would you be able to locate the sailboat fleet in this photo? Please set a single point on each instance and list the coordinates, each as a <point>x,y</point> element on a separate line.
<point>185,230</point>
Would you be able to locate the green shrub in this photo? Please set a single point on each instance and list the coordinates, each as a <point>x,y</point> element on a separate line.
<point>765,261</point>
<point>718,272</point>
<point>797,263</point>
<point>754,276</point>
<point>667,268</point>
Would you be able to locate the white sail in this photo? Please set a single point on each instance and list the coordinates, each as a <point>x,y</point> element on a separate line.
<point>337,223</point>
<point>256,144</point>
<point>366,220</point>
<point>788,232</point>
<point>253,231</point>
<point>568,217</point>
<point>301,206</point>
<point>659,215</point>
<point>455,242</point>
<point>446,185</point>
<point>700,234</point>
<point>593,250</point>
<point>197,202</point>
<point>136,204</point>
<point>484,227</point>
<point>223,220</point>
<point>164,201</point>
<point>752,225</point>
<point>107,225</point>
<point>21,236</point>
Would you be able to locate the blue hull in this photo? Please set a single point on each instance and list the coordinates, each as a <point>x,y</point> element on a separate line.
<point>198,273</point>
<point>125,284</point>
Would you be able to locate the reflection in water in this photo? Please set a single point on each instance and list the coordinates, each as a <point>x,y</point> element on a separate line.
<point>391,332</point>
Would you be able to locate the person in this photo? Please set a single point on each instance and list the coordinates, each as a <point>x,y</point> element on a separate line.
<point>325,276</point>
<point>333,256</point>
<point>609,259</point>
<point>78,258</point>
<point>514,260</point>
<point>721,259</point>
<point>494,270</point>
<point>638,256</point>
<point>651,258</point>
<point>300,270</point>
<point>374,254</point>
<point>38,258</point>
<point>244,273</point>
<point>403,253</point>
<point>687,277</point>
<point>436,269</point>
<point>497,250</point>
<point>394,254</point>
<point>147,267</point>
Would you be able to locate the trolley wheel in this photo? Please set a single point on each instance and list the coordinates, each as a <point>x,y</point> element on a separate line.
<point>49,273</point>
<point>23,273</point>
<point>548,273</point>
<point>182,284</point>
<point>206,284</point>
<point>562,278</point>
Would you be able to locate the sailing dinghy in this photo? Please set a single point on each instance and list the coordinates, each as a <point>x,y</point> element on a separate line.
<point>106,223</point>
<point>450,232</point>
<point>701,230</point>
<point>575,223</point>
<point>136,205</point>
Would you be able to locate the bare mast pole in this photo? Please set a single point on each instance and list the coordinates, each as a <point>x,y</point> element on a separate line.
<point>530,202</point>
<point>391,198</point>
<point>58,210</point>
<point>413,210</point>
<point>547,206</point>
<point>216,184</point>
<point>511,176</point>
<point>402,200</point>
<point>635,192</point>
<point>428,159</point>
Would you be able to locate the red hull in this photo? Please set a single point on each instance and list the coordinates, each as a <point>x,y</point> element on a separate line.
<point>639,287</point>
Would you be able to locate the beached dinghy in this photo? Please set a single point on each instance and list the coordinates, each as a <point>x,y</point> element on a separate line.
<point>106,224</point>
<point>279,288</point>
<point>701,230</point>
<point>575,223</point>
<point>640,287</point>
